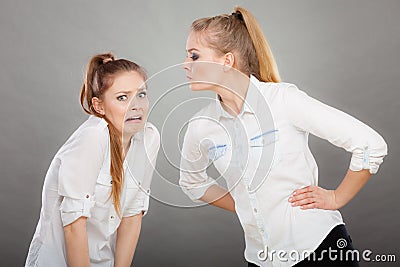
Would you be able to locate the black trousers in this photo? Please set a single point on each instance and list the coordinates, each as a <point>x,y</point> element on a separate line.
<point>338,258</point>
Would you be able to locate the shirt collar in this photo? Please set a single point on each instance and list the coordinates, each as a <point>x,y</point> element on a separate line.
<point>250,104</point>
<point>139,135</point>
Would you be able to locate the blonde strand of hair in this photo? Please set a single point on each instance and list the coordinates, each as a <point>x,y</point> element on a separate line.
<point>268,67</point>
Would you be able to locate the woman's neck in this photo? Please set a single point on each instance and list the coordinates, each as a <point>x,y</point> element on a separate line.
<point>126,143</point>
<point>233,93</point>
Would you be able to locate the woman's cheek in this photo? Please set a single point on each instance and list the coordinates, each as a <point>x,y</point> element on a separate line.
<point>146,107</point>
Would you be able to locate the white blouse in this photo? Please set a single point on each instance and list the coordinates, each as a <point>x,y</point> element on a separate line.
<point>263,155</point>
<point>78,183</point>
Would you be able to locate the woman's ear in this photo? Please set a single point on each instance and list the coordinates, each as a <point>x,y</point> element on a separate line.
<point>229,60</point>
<point>98,105</point>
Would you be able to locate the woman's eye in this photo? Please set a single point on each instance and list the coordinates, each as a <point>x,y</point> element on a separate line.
<point>194,56</point>
<point>142,94</point>
<point>122,98</point>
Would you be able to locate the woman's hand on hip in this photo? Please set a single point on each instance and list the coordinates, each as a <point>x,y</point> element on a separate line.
<point>314,197</point>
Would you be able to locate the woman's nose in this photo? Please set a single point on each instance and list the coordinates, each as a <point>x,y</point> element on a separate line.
<point>134,105</point>
<point>186,64</point>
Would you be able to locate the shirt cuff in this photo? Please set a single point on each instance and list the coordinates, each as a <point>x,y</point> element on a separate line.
<point>362,159</point>
<point>196,191</point>
<point>72,209</point>
<point>140,204</point>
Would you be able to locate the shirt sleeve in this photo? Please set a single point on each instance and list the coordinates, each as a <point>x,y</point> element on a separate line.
<point>194,180</point>
<point>138,195</point>
<point>368,148</point>
<point>80,164</point>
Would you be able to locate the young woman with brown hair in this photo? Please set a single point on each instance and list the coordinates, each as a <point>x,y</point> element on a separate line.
<point>97,187</point>
<point>286,212</point>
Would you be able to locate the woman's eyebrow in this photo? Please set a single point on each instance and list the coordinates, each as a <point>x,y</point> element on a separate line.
<point>123,92</point>
<point>192,49</point>
<point>140,89</point>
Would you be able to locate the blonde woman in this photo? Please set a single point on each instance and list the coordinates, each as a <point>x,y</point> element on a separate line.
<point>97,187</point>
<point>287,212</point>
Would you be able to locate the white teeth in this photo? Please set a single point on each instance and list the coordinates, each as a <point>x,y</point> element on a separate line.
<point>134,118</point>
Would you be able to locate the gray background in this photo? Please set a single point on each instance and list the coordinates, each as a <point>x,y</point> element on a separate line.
<point>344,53</point>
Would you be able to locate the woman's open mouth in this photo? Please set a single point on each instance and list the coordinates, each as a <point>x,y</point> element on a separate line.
<point>134,119</point>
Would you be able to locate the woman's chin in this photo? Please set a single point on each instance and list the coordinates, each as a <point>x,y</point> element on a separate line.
<point>130,129</point>
<point>199,86</point>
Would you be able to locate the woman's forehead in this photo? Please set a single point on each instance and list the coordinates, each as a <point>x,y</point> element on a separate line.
<point>198,40</point>
<point>128,81</point>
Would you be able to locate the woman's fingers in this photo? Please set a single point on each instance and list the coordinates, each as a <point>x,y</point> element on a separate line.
<point>306,189</point>
<point>304,201</point>
<point>303,196</point>
<point>312,197</point>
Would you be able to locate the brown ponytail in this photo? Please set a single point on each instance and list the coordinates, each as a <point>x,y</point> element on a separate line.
<point>240,34</point>
<point>100,74</point>
<point>90,87</point>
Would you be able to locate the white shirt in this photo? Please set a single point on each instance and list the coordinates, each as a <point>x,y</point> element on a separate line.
<point>78,183</point>
<point>273,127</point>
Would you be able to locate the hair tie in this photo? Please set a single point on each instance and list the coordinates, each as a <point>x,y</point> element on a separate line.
<point>238,15</point>
<point>107,60</point>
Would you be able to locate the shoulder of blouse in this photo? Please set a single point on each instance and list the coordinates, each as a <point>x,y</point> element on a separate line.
<point>94,130</point>
<point>151,134</point>
<point>150,129</point>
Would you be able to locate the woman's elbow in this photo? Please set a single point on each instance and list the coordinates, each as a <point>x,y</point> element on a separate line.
<point>380,145</point>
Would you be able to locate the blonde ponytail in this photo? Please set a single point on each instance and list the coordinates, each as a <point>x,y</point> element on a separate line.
<point>268,68</point>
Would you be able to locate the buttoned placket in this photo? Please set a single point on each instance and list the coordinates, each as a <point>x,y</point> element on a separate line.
<point>238,144</point>
<point>113,217</point>
<point>128,171</point>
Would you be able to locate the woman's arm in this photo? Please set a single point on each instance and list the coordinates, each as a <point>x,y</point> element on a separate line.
<point>219,197</point>
<point>312,197</point>
<point>127,238</point>
<point>368,148</point>
<point>76,243</point>
<point>80,164</point>
<point>194,179</point>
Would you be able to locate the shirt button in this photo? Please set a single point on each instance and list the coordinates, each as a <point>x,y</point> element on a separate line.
<point>110,182</point>
<point>112,217</point>
<point>87,196</point>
